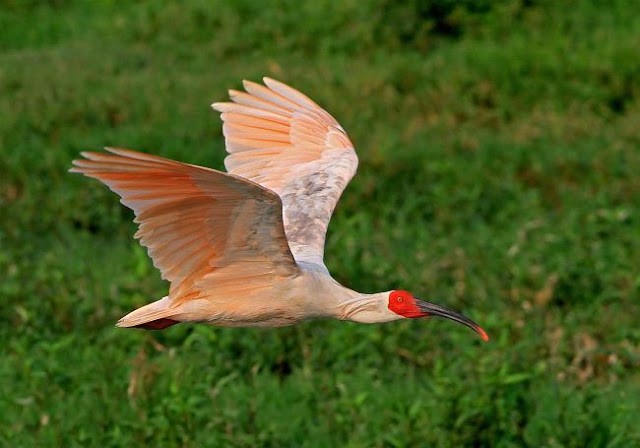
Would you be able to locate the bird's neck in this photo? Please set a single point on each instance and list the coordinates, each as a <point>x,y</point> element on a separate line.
<point>326,297</point>
<point>366,308</point>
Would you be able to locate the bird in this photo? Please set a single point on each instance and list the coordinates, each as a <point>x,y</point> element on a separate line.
<point>245,247</point>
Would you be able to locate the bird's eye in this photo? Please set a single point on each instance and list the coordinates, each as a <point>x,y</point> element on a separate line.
<point>399,299</point>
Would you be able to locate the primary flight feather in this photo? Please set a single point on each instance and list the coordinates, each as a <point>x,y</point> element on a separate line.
<point>246,247</point>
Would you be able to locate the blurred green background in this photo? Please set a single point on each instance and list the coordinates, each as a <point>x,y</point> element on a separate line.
<point>499,146</point>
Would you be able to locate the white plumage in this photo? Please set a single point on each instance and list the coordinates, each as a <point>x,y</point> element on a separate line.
<point>246,248</point>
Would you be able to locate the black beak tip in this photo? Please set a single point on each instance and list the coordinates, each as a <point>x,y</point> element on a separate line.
<point>437,310</point>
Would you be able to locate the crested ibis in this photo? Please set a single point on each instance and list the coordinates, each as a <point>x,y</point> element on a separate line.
<point>246,247</point>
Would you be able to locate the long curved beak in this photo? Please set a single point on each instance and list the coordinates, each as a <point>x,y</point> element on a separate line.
<point>436,310</point>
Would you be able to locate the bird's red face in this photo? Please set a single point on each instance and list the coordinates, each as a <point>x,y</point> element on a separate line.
<point>406,305</point>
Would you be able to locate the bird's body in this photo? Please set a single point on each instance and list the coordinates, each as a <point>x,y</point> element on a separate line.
<point>246,248</point>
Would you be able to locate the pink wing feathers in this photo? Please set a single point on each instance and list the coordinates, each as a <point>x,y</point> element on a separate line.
<point>201,226</point>
<point>281,139</point>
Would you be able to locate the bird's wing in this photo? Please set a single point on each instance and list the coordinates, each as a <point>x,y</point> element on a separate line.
<point>279,138</point>
<point>196,222</point>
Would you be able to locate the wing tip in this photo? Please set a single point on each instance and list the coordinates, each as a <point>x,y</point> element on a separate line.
<point>78,163</point>
<point>267,80</point>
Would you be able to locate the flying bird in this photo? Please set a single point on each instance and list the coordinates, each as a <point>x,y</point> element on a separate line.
<point>246,247</point>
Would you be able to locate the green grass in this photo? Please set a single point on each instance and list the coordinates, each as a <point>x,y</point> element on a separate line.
<point>499,151</point>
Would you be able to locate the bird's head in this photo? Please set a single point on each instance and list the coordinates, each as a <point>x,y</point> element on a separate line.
<point>405,305</point>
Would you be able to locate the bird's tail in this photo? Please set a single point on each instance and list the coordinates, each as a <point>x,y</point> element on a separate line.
<point>154,316</point>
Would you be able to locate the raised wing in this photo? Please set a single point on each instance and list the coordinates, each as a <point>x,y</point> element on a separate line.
<point>279,138</point>
<point>197,223</point>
